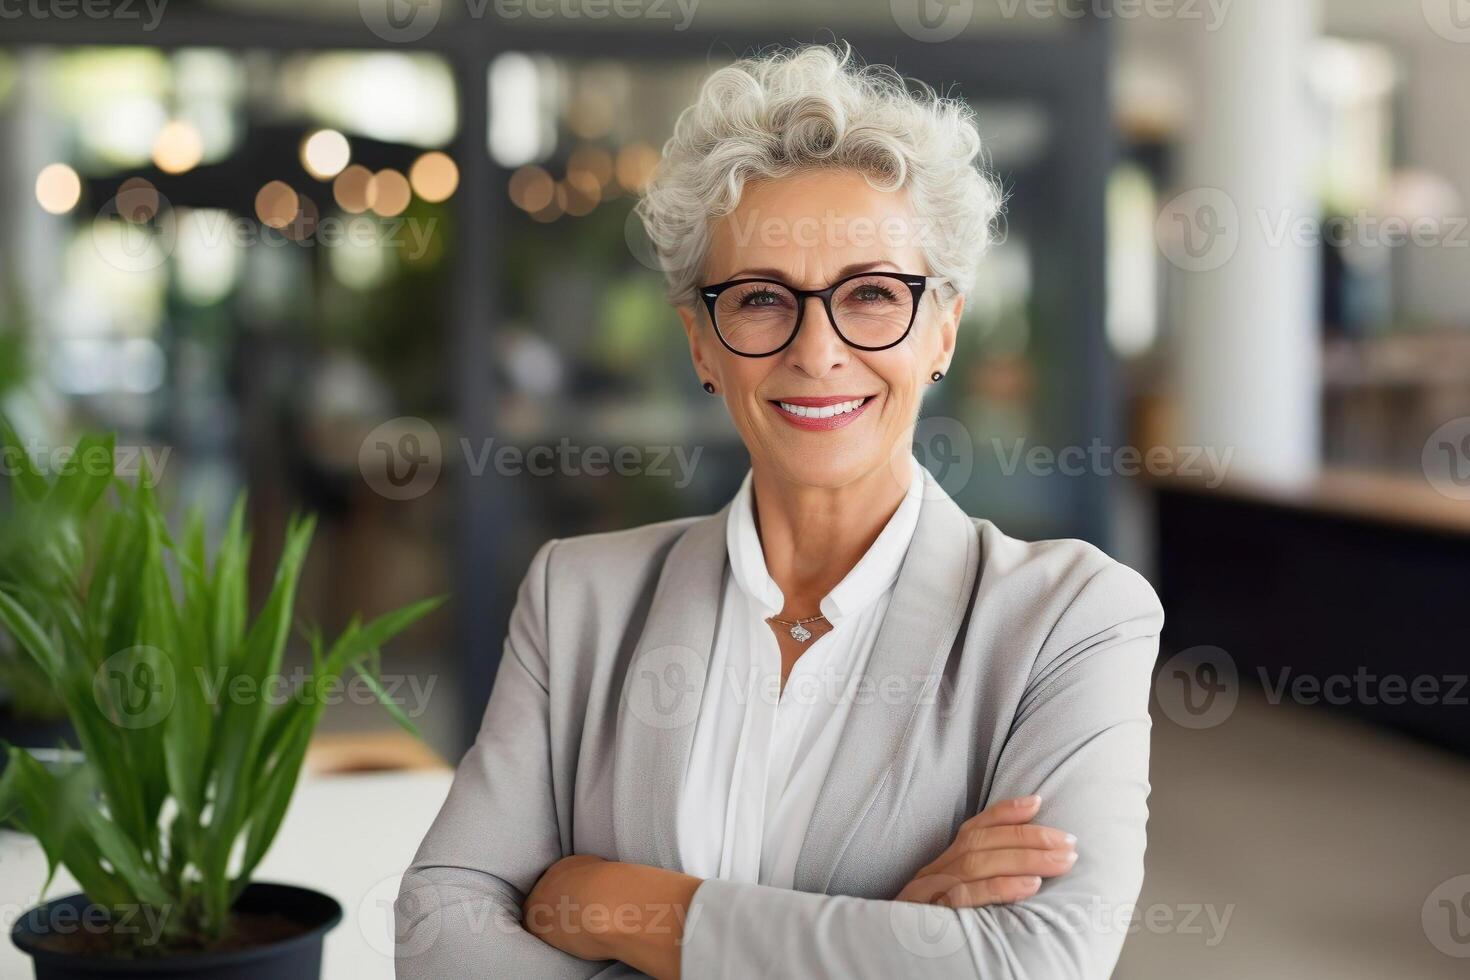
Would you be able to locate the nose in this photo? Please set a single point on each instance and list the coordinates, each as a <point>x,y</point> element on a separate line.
<point>817,349</point>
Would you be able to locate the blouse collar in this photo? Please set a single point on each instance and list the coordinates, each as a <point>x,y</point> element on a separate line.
<point>874,572</point>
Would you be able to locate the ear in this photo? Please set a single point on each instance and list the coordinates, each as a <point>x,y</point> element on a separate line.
<point>948,313</point>
<point>705,365</point>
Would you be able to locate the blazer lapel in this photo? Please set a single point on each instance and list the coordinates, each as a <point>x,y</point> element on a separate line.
<point>930,599</point>
<point>661,695</point>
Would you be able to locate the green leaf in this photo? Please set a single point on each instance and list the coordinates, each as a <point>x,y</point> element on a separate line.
<point>357,643</point>
<point>84,477</point>
<point>27,480</point>
<point>386,700</point>
<point>29,634</point>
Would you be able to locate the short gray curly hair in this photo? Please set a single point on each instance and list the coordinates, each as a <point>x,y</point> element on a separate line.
<point>792,109</point>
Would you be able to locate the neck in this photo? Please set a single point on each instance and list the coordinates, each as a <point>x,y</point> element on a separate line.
<point>813,536</point>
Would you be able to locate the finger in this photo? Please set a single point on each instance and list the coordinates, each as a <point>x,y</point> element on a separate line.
<point>977,865</point>
<point>1014,835</point>
<point>991,891</point>
<point>1018,810</point>
<point>1000,813</point>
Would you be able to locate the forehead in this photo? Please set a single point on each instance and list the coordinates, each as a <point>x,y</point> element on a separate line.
<point>814,223</point>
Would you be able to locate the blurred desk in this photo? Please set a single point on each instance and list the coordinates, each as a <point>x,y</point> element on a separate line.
<point>1354,576</point>
<point>1389,498</point>
<point>349,836</point>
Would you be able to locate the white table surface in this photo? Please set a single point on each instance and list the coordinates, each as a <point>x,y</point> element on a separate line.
<point>349,836</point>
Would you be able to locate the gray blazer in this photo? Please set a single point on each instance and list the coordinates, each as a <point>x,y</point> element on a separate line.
<point>1002,668</point>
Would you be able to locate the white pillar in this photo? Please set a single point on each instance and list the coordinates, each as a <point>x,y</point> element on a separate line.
<point>1248,353</point>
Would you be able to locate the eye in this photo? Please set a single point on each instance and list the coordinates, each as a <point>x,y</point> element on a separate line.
<point>760,296</point>
<point>870,292</point>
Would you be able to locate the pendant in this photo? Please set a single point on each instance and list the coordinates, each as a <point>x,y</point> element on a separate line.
<point>800,633</point>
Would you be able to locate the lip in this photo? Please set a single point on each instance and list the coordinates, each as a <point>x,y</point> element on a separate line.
<point>820,401</point>
<point>821,425</point>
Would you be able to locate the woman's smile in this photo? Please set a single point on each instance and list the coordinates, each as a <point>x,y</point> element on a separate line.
<point>821,413</point>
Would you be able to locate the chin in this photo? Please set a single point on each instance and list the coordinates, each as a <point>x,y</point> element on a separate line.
<point>827,468</point>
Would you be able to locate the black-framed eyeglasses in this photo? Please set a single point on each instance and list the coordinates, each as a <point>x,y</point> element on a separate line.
<point>870,311</point>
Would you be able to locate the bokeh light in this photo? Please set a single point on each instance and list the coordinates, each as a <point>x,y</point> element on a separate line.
<point>635,165</point>
<point>591,159</point>
<point>137,200</point>
<point>324,153</point>
<point>276,204</point>
<point>434,177</point>
<point>531,188</point>
<point>351,188</point>
<point>58,188</point>
<point>177,148</point>
<point>389,193</point>
<point>579,193</point>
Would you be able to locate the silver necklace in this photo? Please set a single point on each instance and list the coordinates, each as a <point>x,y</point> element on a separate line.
<point>799,632</point>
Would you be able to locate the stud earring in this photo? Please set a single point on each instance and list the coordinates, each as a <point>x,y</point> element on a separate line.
<point>709,387</point>
<point>936,375</point>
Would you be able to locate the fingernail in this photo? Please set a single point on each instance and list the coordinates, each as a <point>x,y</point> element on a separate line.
<point>1027,801</point>
<point>1071,857</point>
<point>1071,840</point>
<point>1032,882</point>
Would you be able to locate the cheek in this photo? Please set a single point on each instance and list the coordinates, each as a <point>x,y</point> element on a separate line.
<point>897,369</point>
<point>743,378</point>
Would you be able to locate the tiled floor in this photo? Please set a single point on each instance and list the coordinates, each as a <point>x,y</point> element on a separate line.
<point>1321,839</point>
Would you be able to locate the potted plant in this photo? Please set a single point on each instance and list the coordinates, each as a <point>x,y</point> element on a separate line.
<point>29,712</point>
<point>185,767</point>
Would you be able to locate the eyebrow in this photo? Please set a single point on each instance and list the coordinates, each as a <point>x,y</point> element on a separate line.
<point>847,270</point>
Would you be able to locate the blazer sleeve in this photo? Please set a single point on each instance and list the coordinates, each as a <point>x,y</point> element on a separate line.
<point>458,911</point>
<point>1080,739</point>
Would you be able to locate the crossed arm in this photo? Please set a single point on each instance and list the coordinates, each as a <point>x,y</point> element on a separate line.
<point>515,901</point>
<point>609,910</point>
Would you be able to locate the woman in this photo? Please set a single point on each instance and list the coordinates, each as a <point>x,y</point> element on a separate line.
<point>839,727</point>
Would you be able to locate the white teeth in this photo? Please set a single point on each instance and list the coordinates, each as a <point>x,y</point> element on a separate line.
<point>825,412</point>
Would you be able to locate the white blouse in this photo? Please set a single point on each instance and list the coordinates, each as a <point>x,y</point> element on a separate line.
<point>760,754</point>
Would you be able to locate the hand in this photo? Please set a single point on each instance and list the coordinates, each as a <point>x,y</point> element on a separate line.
<point>996,857</point>
<point>555,909</point>
<point>611,910</point>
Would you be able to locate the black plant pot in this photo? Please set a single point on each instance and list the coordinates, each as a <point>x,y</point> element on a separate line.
<point>298,957</point>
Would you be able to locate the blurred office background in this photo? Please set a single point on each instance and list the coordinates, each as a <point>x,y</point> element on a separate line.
<point>376,260</point>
